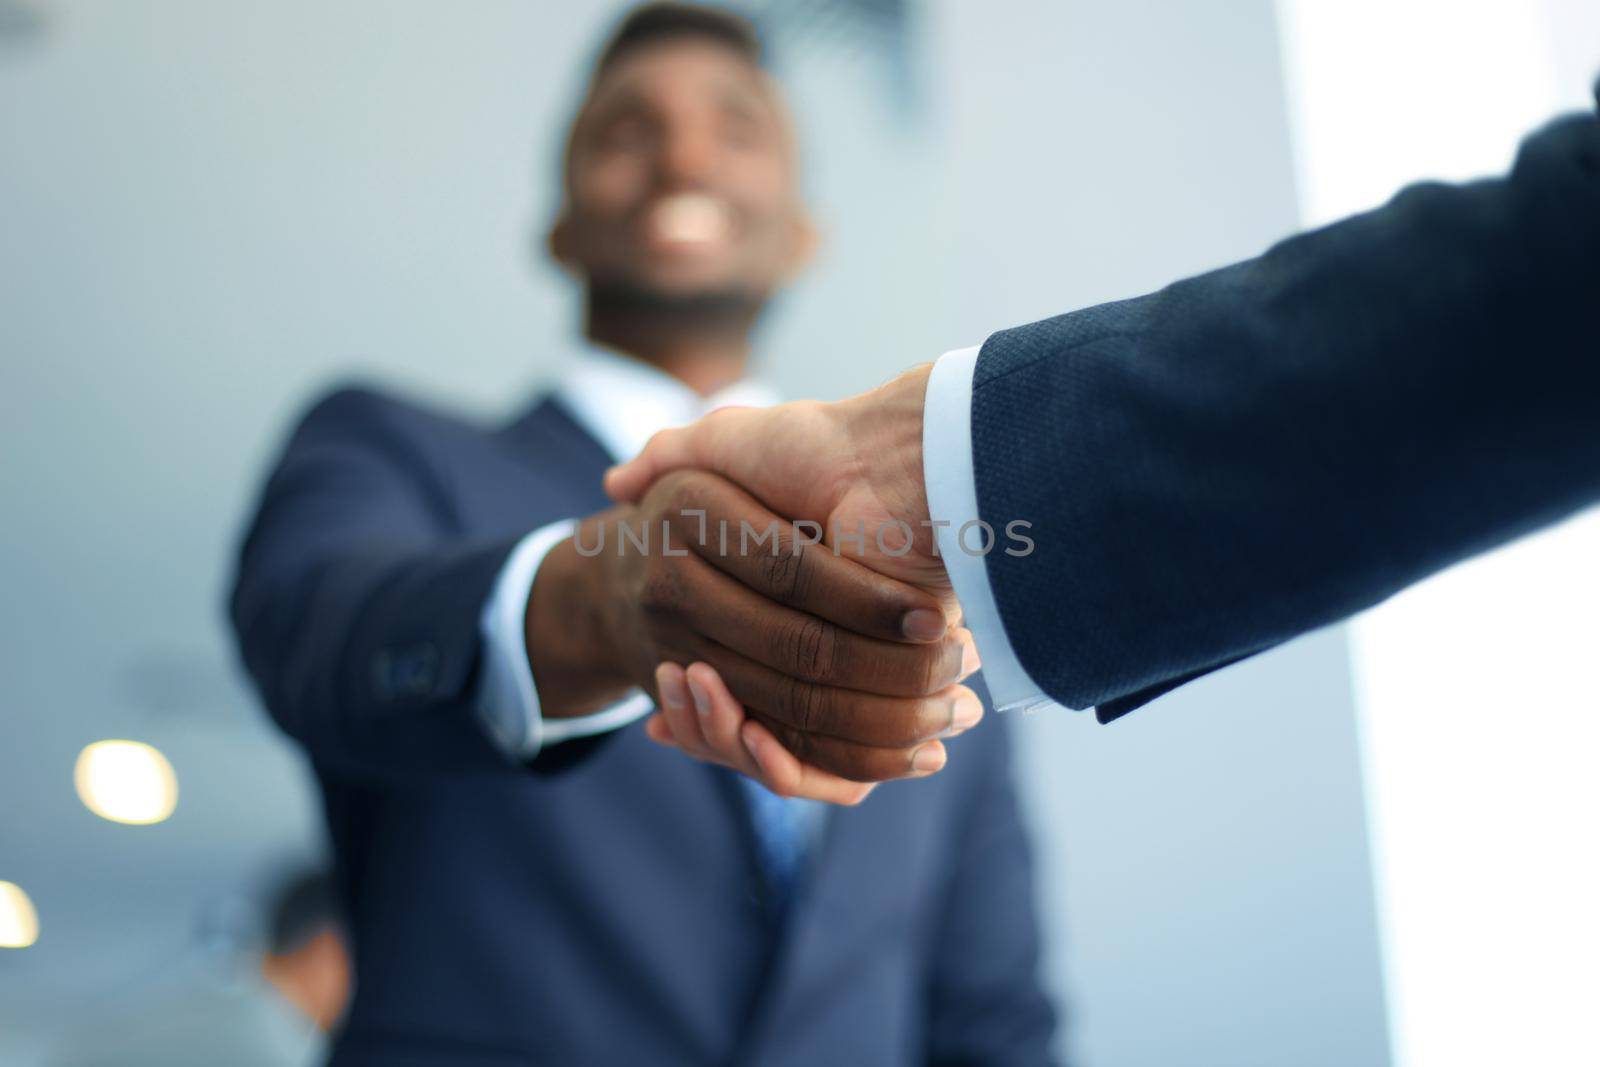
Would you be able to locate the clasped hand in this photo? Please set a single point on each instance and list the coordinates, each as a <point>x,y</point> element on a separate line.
<point>816,664</point>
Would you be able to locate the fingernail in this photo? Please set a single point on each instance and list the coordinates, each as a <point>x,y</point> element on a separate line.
<point>969,659</point>
<point>923,624</point>
<point>670,684</point>
<point>744,736</point>
<point>702,699</point>
<point>927,759</point>
<point>966,711</point>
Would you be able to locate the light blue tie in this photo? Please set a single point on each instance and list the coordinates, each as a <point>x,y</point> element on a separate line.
<point>782,827</point>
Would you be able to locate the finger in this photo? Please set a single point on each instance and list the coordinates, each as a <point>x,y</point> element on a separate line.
<point>787,563</point>
<point>846,714</point>
<point>814,650</point>
<point>677,708</point>
<point>788,777</point>
<point>858,763</point>
<point>626,482</point>
<point>694,445</point>
<point>720,725</point>
<point>657,730</point>
<point>722,730</point>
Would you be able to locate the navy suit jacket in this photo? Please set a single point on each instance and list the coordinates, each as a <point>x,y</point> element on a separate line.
<point>602,904</point>
<point>1265,449</point>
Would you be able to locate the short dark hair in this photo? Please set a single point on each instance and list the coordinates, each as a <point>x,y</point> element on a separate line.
<point>301,907</point>
<point>652,23</point>
<point>655,22</point>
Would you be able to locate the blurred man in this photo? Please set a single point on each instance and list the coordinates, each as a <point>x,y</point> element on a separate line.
<point>207,1007</point>
<point>306,960</point>
<point>450,621</point>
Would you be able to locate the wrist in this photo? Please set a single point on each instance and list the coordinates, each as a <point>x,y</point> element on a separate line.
<point>573,656</point>
<point>885,427</point>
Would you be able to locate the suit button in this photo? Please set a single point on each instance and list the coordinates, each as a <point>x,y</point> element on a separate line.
<point>407,673</point>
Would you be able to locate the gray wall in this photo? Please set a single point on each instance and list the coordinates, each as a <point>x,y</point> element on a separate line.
<point>210,210</point>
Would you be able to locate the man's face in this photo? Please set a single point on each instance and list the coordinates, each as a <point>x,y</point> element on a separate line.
<point>681,178</point>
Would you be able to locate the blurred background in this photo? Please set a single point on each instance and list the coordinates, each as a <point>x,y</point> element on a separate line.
<point>1373,846</point>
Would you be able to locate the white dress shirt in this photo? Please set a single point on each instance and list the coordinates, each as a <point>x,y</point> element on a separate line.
<point>621,402</point>
<point>951,481</point>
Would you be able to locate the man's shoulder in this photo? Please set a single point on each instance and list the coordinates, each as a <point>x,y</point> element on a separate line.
<point>357,402</point>
<point>376,413</point>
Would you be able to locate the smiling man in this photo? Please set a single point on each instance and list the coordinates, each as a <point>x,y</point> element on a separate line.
<point>463,634</point>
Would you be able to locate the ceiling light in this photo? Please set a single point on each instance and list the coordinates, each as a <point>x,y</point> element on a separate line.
<point>126,782</point>
<point>19,923</point>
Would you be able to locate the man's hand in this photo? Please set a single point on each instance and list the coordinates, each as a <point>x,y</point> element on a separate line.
<point>854,468</point>
<point>818,645</point>
<point>701,718</point>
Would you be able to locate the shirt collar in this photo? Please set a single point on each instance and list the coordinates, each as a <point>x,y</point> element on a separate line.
<point>623,401</point>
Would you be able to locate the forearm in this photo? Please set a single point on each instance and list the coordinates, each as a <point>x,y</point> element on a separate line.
<point>381,640</point>
<point>1263,450</point>
<point>367,659</point>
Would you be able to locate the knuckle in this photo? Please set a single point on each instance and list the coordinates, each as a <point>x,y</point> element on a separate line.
<point>659,593</point>
<point>914,721</point>
<point>810,649</point>
<point>658,440</point>
<point>780,571</point>
<point>800,574</point>
<point>682,489</point>
<point>929,670</point>
<point>663,498</point>
<point>787,573</point>
<point>807,705</point>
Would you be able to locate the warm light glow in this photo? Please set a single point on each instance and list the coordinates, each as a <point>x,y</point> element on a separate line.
<point>19,923</point>
<point>126,781</point>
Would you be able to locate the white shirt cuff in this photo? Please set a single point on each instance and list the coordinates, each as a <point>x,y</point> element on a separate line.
<point>507,702</point>
<point>952,486</point>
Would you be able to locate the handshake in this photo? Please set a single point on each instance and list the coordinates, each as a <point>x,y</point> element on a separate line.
<point>794,620</point>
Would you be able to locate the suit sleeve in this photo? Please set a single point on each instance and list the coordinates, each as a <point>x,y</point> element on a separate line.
<point>987,1006</point>
<point>357,611</point>
<point>1259,451</point>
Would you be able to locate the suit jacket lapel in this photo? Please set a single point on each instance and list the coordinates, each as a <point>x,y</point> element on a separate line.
<point>849,865</point>
<point>548,437</point>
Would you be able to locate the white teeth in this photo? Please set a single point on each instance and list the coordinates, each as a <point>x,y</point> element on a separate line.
<point>689,218</point>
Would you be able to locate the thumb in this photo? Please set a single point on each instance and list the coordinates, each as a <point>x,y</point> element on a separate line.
<point>666,451</point>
